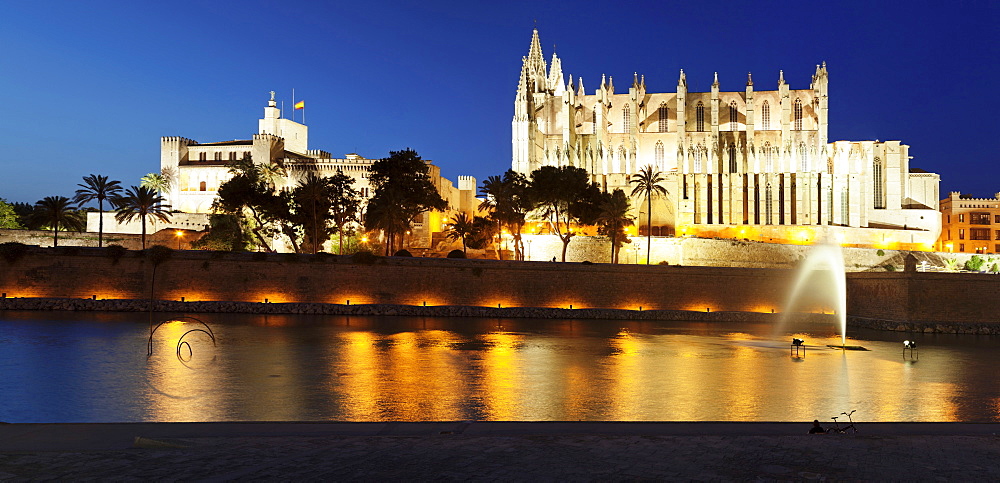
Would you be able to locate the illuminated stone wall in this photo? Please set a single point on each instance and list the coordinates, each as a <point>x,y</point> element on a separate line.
<point>284,278</point>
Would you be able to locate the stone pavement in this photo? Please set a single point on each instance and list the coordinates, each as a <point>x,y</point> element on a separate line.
<point>497,451</point>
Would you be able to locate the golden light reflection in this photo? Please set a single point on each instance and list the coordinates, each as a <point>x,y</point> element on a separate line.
<point>183,391</point>
<point>501,384</point>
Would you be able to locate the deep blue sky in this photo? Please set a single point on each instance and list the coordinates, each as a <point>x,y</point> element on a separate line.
<point>89,87</point>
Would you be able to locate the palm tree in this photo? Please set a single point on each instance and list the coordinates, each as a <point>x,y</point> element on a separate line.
<point>56,211</point>
<point>158,182</point>
<point>647,182</point>
<point>612,219</point>
<point>142,202</point>
<point>312,202</point>
<point>461,228</point>
<point>97,187</point>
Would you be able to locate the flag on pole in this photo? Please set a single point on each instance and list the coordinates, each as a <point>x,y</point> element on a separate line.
<point>300,105</point>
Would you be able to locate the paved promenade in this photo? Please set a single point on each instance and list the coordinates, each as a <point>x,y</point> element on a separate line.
<point>497,451</point>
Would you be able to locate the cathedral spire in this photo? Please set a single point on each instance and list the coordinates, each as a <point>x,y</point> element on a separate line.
<point>642,82</point>
<point>555,82</point>
<point>749,79</point>
<point>781,77</point>
<point>535,63</point>
<point>715,83</point>
<point>682,81</point>
<point>579,90</point>
<point>635,80</point>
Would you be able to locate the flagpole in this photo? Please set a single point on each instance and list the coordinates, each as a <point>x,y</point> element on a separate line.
<point>293,104</point>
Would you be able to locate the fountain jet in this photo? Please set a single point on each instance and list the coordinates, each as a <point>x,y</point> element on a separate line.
<point>825,260</point>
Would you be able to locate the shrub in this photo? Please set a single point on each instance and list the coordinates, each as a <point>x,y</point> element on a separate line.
<point>587,262</point>
<point>664,262</point>
<point>890,268</point>
<point>402,253</point>
<point>880,253</point>
<point>994,268</point>
<point>115,253</point>
<point>158,254</point>
<point>456,254</point>
<point>12,251</point>
<point>975,263</point>
<point>364,258</point>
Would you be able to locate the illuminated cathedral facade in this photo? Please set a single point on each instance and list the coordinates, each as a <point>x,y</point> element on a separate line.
<point>738,164</point>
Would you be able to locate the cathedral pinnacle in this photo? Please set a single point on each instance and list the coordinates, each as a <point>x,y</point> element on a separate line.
<point>781,77</point>
<point>715,83</point>
<point>682,81</point>
<point>579,90</point>
<point>635,80</point>
<point>749,79</point>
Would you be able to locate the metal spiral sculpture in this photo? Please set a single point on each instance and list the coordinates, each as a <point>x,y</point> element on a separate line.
<point>183,351</point>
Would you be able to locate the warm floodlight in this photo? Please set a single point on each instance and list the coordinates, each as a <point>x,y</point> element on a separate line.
<point>909,344</point>
<point>797,341</point>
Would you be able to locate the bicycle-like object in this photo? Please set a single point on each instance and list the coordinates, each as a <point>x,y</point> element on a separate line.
<point>838,429</point>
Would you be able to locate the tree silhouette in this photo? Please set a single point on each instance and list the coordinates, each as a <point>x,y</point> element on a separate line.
<point>56,212</point>
<point>563,194</point>
<point>99,188</point>
<point>402,191</point>
<point>142,202</point>
<point>613,218</point>
<point>647,182</point>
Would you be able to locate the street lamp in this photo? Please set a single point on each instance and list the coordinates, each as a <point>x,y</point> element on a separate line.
<point>179,234</point>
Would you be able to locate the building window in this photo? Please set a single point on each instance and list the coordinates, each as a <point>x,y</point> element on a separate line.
<point>658,154</point>
<point>733,116</point>
<point>877,180</point>
<point>218,155</point>
<point>961,217</point>
<point>768,160</point>
<point>765,116</point>
<point>699,112</point>
<point>768,198</point>
<point>961,233</point>
<point>961,247</point>
<point>664,115</point>
<point>979,218</point>
<point>202,156</point>
<point>798,114</point>
<point>979,234</point>
<point>732,158</point>
<point>232,156</point>
<point>998,234</point>
<point>803,158</point>
<point>626,119</point>
<point>996,219</point>
<point>202,186</point>
<point>845,208</point>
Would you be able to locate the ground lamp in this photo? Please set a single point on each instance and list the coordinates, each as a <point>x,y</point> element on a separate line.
<point>909,345</point>
<point>797,345</point>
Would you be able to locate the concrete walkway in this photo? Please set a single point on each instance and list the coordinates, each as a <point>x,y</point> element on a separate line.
<point>497,451</point>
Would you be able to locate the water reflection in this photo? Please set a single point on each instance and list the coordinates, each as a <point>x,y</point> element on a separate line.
<point>92,367</point>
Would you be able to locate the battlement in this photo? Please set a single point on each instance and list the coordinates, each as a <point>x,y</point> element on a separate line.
<point>177,139</point>
<point>466,183</point>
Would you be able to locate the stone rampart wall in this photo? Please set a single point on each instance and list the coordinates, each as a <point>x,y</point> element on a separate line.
<point>912,300</point>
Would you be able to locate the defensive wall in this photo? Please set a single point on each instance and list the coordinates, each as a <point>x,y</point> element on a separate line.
<point>894,300</point>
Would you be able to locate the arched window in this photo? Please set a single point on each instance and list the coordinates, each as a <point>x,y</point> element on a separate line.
<point>699,112</point>
<point>798,114</point>
<point>202,156</point>
<point>732,158</point>
<point>765,116</point>
<point>232,156</point>
<point>877,180</point>
<point>697,159</point>
<point>768,159</point>
<point>202,186</point>
<point>664,114</point>
<point>803,158</point>
<point>658,154</point>
<point>593,119</point>
<point>626,119</point>
<point>218,155</point>
<point>733,119</point>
